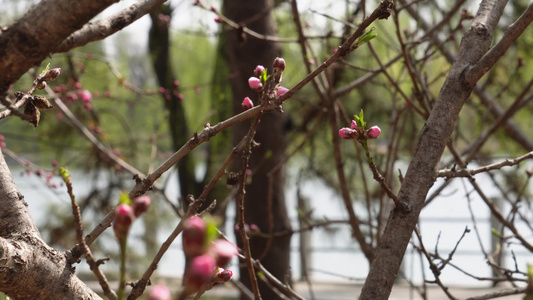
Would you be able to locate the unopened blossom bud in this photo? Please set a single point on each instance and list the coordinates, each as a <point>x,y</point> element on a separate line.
<point>353,125</point>
<point>255,83</point>
<point>348,133</point>
<point>140,204</point>
<point>259,70</point>
<point>247,103</point>
<point>85,96</point>
<point>223,251</point>
<point>193,237</point>
<point>123,218</point>
<point>223,275</point>
<point>199,273</point>
<point>159,292</point>
<point>372,132</point>
<point>52,74</point>
<point>279,63</point>
<point>41,85</point>
<point>281,90</point>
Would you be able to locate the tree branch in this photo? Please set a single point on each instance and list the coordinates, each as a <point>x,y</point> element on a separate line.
<point>421,173</point>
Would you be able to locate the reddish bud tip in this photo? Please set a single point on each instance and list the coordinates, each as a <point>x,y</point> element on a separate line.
<point>259,70</point>
<point>348,133</point>
<point>85,96</point>
<point>140,204</point>
<point>372,132</point>
<point>159,292</point>
<point>123,218</point>
<point>223,251</point>
<point>223,275</point>
<point>353,125</point>
<point>247,104</point>
<point>52,74</point>
<point>255,83</point>
<point>279,63</point>
<point>199,273</point>
<point>193,237</point>
<point>281,90</point>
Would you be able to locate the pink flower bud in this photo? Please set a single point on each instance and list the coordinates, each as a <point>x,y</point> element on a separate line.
<point>123,218</point>
<point>218,20</point>
<point>193,237</point>
<point>372,132</point>
<point>140,204</point>
<point>279,63</point>
<point>348,133</point>
<point>281,90</point>
<point>85,96</point>
<point>159,292</point>
<point>255,83</point>
<point>52,74</point>
<point>199,273</point>
<point>353,125</point>
<point>223,251</point>
<point>247,104</point>
<point>259,70</point>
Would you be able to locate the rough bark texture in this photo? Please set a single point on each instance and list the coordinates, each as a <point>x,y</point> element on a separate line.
<point>243,55</point>
<point>33,37</point>
<point>421,173</point>
<point>29,269</point>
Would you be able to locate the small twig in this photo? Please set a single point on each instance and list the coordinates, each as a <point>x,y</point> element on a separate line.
<point>447,173</point>
<point>79,234</point>
<point>433,267</point>
<point>240,203</point>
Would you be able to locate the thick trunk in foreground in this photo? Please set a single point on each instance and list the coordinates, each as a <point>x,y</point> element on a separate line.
<point>30,269</point>
<point>243,55</point>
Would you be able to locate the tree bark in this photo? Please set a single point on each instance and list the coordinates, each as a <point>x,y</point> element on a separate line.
<point>34,36</point>
<point>421,173</point>
<point>244,53</point>
<point>30,269</point>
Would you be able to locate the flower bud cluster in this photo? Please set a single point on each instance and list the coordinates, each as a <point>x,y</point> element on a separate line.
<point>355,132</point>
<point>207,259</point>
<point>267,85</point>
<point>125,214</point>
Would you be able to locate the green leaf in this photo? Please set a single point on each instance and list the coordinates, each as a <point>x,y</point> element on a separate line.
<point>264,76</point>
<point>530,271</point>
<point>366,37</point>
<point>124,199</point>
<point>494,232</point>
<point>359,120</point>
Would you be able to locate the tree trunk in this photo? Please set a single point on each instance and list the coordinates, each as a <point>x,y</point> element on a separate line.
<point>244,53</point>
<point>30,269</point>
<point>159,44</point>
